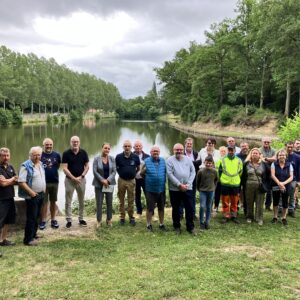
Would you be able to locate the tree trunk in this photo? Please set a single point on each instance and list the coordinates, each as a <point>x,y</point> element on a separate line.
<point>246,95</point>
<point>221,84</point>
<point>288,98</point>
<point>261,101</point>
<point>39,109</point>
<point>51,108</point>
<point>4,104</point>
<point>299,100</point>
<point>32,107</point>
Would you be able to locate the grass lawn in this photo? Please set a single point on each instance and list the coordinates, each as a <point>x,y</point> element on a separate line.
<point>226,262</point>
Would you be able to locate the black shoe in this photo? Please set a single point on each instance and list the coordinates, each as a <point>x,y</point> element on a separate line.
<point>207,226</point>
<point>149,227</point>
<point>69,224</point>
<point>202,226</point>
<point>54,224</point>
<point>177,231</point>
<point>7,243</point>
<point>122,221</point>
<point>284,222</point>
<point>192,232</point>
<point>225,220</point>
<point>235,220</point>
<point>132,222</point>
<point>274,221</point>
<point>82,223</point>
<point>162,227</point>
<point>31,243</point>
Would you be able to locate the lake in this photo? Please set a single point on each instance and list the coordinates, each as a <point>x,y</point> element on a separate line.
<point>92,135</point>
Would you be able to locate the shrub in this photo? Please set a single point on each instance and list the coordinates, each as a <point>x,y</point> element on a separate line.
<point>17,117</point>
<point>49,118</point>
<point>62,119</point>
<point>226,115</point>
<point>55,119</point>
<point>290,131</point>
<point>97,116</point>
<point>76,115</point>
<point>5,117</point>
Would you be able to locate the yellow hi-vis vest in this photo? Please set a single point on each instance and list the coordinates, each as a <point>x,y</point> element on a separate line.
<point>230,171</point>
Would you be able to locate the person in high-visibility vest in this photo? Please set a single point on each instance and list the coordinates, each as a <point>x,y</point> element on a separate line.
<point>230,169</point>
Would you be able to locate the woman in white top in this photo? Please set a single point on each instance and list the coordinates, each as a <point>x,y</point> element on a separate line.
<point>209,150</point>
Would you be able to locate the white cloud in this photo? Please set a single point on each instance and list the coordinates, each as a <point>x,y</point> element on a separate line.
<point>81,34</point>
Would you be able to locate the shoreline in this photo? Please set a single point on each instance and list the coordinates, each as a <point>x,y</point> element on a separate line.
<point>213,129</point>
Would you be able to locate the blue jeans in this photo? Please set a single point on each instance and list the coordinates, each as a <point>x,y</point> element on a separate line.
<point>206,201</point>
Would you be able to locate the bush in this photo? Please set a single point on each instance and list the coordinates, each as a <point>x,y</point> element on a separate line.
<point>226,115</point>
<point>97,116</point>
<point>55,119</point>
<point>49,118</point>
<point>290,131</point>
<point>76,115</point>
<point>17,116</point>
<point>251,110</point>
<point>63,119</point>
<point>5,117</point>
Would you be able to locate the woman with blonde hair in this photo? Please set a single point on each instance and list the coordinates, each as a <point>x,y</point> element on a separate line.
<point>255,174</point>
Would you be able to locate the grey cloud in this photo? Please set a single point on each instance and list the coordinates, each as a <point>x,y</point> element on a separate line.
<point>167,26</point>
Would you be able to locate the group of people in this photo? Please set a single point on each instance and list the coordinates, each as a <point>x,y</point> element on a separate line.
<point>241,178</point>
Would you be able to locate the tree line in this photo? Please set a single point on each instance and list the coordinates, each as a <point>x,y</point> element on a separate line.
<point>252,61</point>
<point>42,85</point>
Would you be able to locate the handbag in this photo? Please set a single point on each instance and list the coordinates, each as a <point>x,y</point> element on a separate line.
<point>262,187</point>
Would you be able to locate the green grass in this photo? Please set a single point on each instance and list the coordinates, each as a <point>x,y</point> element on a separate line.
<point>227,262</point>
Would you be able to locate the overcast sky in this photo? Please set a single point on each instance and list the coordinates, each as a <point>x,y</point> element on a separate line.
<point>120,41</point>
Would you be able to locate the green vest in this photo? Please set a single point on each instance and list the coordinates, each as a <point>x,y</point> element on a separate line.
<point>230,171</point>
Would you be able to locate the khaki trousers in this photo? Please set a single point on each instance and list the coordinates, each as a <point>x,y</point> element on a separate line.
<point>123,187</point>
<point>70,187</point>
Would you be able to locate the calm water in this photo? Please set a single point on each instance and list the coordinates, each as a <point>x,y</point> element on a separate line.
<point>92,135</point>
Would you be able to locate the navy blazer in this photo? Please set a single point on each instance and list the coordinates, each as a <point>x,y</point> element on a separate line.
<point>98,171</point>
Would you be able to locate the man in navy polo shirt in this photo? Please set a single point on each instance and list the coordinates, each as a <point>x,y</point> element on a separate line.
<point>75,165</point>
<point>128,164</point>
<point>8,179</point>
<point>51,161</point>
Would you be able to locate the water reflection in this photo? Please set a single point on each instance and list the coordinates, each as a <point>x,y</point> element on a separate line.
<point>92,135</point>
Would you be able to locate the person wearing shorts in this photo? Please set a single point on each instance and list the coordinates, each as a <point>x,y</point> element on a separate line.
<point>51,161</point>
<point>154,171</point>
<point>8,179</point>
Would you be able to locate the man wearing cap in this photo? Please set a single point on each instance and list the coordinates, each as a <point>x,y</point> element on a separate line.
<point>230,170</point>
<point>269,156</point>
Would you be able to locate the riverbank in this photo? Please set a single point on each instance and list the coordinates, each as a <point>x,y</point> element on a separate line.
<point>216,129</point>
<point>42,118</point>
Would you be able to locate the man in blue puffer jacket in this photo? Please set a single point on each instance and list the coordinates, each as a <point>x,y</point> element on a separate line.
<point>154,171</point>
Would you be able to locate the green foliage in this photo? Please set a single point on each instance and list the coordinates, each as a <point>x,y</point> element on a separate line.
<point>75,115</point>
<point>27,80</point>
<point>226,115</point>
<point>49,118</point>
<point>55,119</point>
<point>97,116</point>
<point>5,117</point>
<point>62,119</point>
<point>290,131</point>
<point>17,116</point>
<point>252,60</point>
